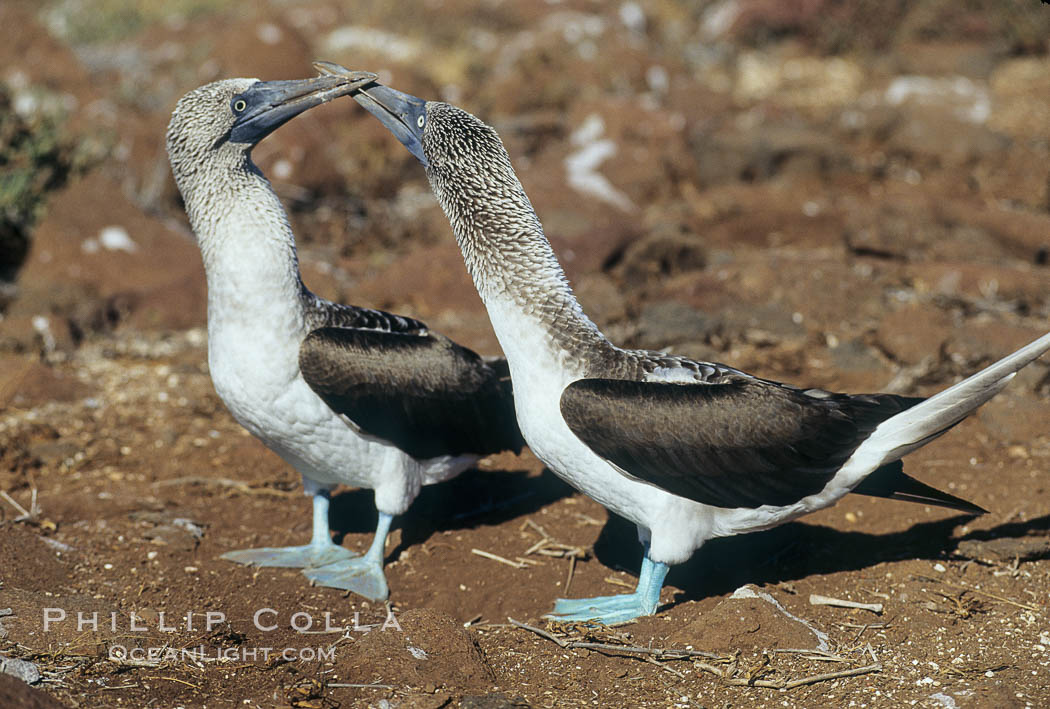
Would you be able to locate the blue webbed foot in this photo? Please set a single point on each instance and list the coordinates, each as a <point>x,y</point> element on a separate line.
<point>600,610</point>
<point>364,576</point>
<point>598,604</point>
<point>616,609</point>
<point>298,557</point>
<point>320,551</point>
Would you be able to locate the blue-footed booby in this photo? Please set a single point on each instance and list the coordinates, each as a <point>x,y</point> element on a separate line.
<point>686,450</point>
<point>346,395</point>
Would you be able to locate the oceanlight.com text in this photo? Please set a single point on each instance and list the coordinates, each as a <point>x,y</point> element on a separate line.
<point>158,655</point>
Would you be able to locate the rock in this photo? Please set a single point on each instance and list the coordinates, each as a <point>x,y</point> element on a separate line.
<point>1005,548</point>
<point>667,251</point>
<point>52,453</point>
<point>766,152</point>
<point>986,338</point>
<point>855,356</point>
<point>670,322</point>
<point>28,672</point>
<point>945,135</point>
<point>913,333</point>
<point>181,534</point>
<point>856,366</point>
<point>494,700</point>
<point>761,324</point>
<point>918,231</point>
<point>901,230</point>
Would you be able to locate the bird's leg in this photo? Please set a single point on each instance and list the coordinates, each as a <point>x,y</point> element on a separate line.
<point>320,551</point>
<point>364,576</point>
<point>619,608</point>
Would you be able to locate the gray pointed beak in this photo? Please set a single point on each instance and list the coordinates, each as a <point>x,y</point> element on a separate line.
<point>404,115</point>
<point>268,105</point>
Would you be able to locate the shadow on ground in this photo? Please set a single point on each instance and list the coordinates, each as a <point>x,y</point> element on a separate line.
<point>795,551</point>
<point>474,498</point>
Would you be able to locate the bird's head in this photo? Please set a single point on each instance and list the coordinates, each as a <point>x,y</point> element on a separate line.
<point>472,178</point>
<point>231,116</point>
<point>440,135</point>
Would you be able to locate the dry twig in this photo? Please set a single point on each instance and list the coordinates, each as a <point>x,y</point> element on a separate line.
<point>1001,599</point>
<point>656,652</point>
<point>497,557</point>
<point>815,599</point>
<point>22,512</point>
<point>653,655</point>
<point>533,629</point>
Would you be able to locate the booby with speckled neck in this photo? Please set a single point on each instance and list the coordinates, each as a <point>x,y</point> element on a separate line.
<point>686,450</point>
<point>346,395</point>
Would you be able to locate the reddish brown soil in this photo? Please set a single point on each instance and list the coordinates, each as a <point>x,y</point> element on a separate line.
<point>788,218</point>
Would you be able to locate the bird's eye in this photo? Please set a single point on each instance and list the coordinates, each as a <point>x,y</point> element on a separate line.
<point>239,105</point>
<point>420,121</point>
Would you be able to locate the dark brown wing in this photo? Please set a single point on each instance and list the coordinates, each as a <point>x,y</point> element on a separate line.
<point>744,443</point>
<point>423,393</point>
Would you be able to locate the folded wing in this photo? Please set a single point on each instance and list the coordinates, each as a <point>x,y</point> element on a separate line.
<point>742,443</point>
<point>423,393</point>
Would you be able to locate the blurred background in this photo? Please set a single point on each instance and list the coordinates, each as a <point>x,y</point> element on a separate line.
<point>849,194</point>
<point>710,172</point>
<point>858,173</point>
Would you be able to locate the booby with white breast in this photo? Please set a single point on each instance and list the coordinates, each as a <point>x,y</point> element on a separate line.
<point>346,395</point>
<point>686,450</point>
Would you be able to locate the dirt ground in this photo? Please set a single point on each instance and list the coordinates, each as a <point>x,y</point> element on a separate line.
<point>847,195</point>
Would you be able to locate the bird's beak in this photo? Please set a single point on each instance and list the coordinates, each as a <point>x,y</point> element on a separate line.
<point>268,105</point>
<point>404,115</point>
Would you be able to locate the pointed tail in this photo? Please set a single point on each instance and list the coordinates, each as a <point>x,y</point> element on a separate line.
<point>920,424</point>
<point>890,482</point>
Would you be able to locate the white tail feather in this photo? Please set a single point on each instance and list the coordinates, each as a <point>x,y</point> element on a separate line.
<point>920,424</point>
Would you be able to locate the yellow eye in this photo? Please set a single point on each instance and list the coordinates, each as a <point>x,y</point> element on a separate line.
<point>420,121</point>
<point>239,105</point>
